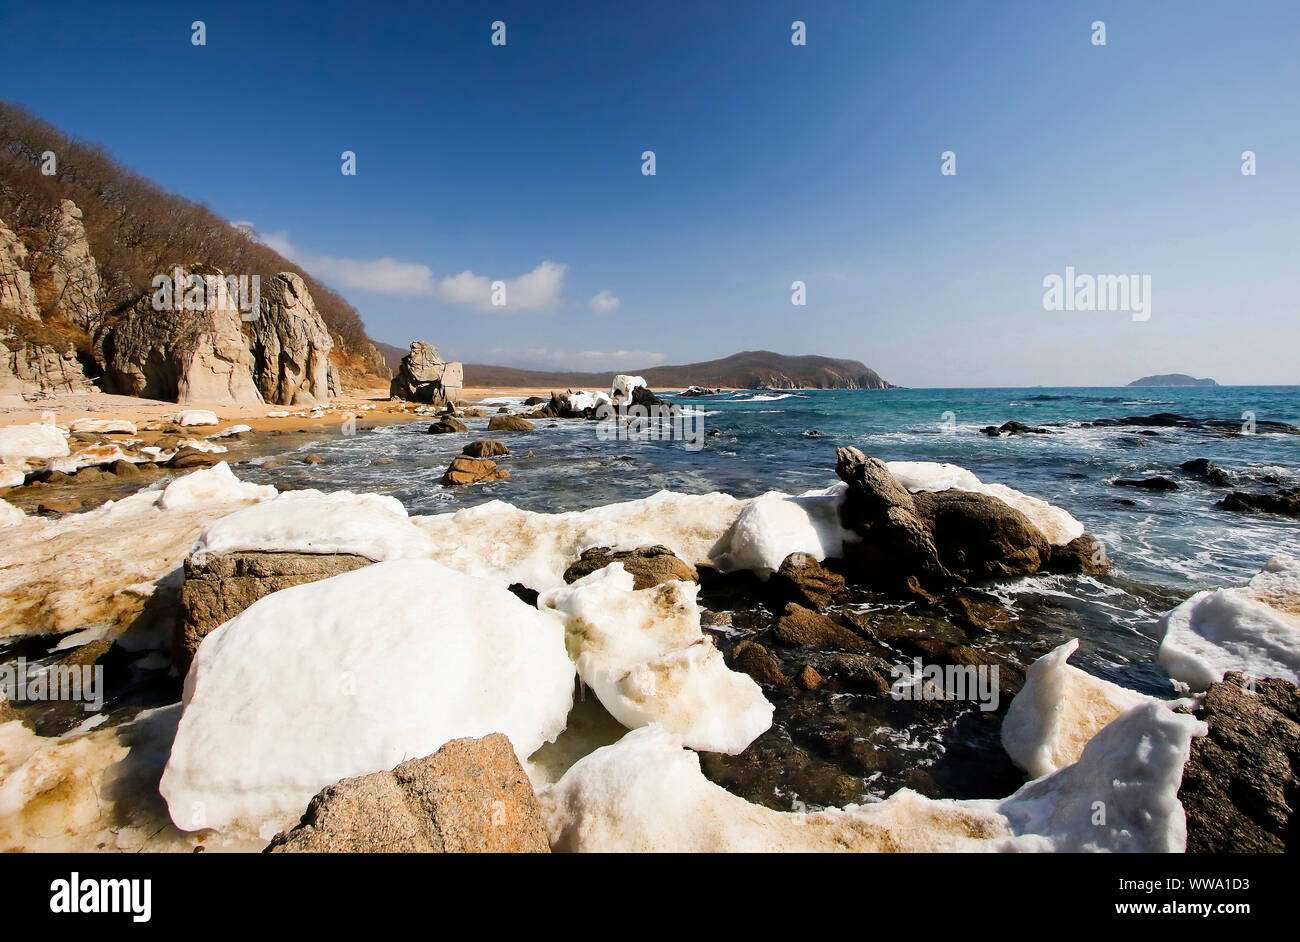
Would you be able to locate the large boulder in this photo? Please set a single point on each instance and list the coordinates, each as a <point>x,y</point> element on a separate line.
<point>466,470</point>
<point>292,345</point>
<point>1239,786</point>
<point>218,587</point>
<point>471,795</point>
<point>981,537</point>
<point>425,377</point>
<point>179,350</point>
<point>649,565</point>
<point>509,423</point>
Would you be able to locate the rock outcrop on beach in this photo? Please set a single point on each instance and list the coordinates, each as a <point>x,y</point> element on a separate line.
<point>1239,787</point>
<point>17,299</point>
<point>649,565</point>
<point>471,796</point>
<point>292,346</point>
<point>218,587</point>
<point>65,269</point>
<point>180,352</point>
<point>425,377</point>
<point>36,369</point>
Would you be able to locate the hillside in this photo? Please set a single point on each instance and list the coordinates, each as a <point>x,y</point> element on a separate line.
<point>135,230</point>
<point>747,370</point>
<point>1172,379</point>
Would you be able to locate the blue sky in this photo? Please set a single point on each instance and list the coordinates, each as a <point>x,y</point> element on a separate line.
<point>775,163</point>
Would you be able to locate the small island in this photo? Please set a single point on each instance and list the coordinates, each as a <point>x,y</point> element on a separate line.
<point>1172,379</point>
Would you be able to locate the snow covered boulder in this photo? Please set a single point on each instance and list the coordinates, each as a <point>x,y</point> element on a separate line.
<point>36,440</point>
<point>647,660</point>
<point>1058,711</point>
<point>1255,630</point>
<point>371,525</point>
<point>354,675</point>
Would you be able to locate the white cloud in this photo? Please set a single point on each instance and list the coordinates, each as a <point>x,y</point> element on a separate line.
<point>602,302</point>
<point>538,289</point>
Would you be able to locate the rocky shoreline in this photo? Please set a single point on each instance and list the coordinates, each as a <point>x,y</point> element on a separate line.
<point>745,655</point>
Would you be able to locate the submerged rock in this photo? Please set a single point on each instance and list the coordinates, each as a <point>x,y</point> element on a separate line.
<point>1207,470</point>
<point>509,423</point>
<point>471,796</point>
<point>1239,786</point>
<point>1150,484</point>
<point>485,448</point>
<point>447,425</point>
<point>467,470</point>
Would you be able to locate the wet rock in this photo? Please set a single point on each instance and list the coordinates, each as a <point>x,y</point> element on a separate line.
<point>1239,787</point>
<point>1207,470</point>
<point>313,459</point>
<point>804,628</point>
<point>803,579</point>
<point>485,448</point>
<point>759,663</point>
<point>509,423</point>
<point>1010,676</point>
<point>809,679</point>
<point>59,505</point>
<point>1151,484</point>
<point>471,796</point>
<point>447,425</point>
<point>219,587</point>
<point>862,673</point>
<point>1013,428</point>
<point>466,470</point>
<point>1285,502</point>
<point>1084,554</point>
<point>124,469</point>
<point>649,565</point>
<point>188,457</point>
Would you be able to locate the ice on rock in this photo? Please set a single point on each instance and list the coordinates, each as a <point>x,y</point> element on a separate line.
<point>11,476</point>
<point>501,541</point>
<point>623,386</point>
<point>352,675</point>
<point>211,486</point>
<point>88,458</point>
<point>188,417</point>
<point>1255,630</point>
<point>371,525</point>
<point>1058,711</point>
<point>645,657</point>
<point>773,526</point>
<point>36,440</point>
<point>647,793</point>
<point>1056,524</point>
<point>104,426</point>
<point>581,400</point>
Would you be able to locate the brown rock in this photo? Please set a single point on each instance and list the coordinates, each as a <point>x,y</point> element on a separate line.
<point>217,588</point>
<point>509,423</point>
<point>467,470</point>
<point>193,458</point>
<point>649,565</point>
<point>313,458</point>
<point>1083,554</point>
<point>471,796</point>
<point>803,579</point>
<point>59,505</point>
<point>485,448</point>
<point>803,628</point>
<point>446,425</point>
<point>809,679</point>
<point>1239,786</point>
<point>980,537</point>
<point>759,663</point>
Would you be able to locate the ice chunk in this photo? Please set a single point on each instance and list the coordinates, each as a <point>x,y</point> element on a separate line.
<point>773,526</point>
<point>647,793</point>
<point>371,525</point>
<point>1056,524</point>
<point>1058,711</point>
<point>581,400</point>
<point>187,417</point>
<point>88,457</point>
<point>1255,630</point>
<point>104,426</point>
<point>352,675</point>
<point>9,514</point>
<point>207,486</point>
<point>645,657</point>
<point>498,540</point>
<point>36,440</point>
<point>11,476</point>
